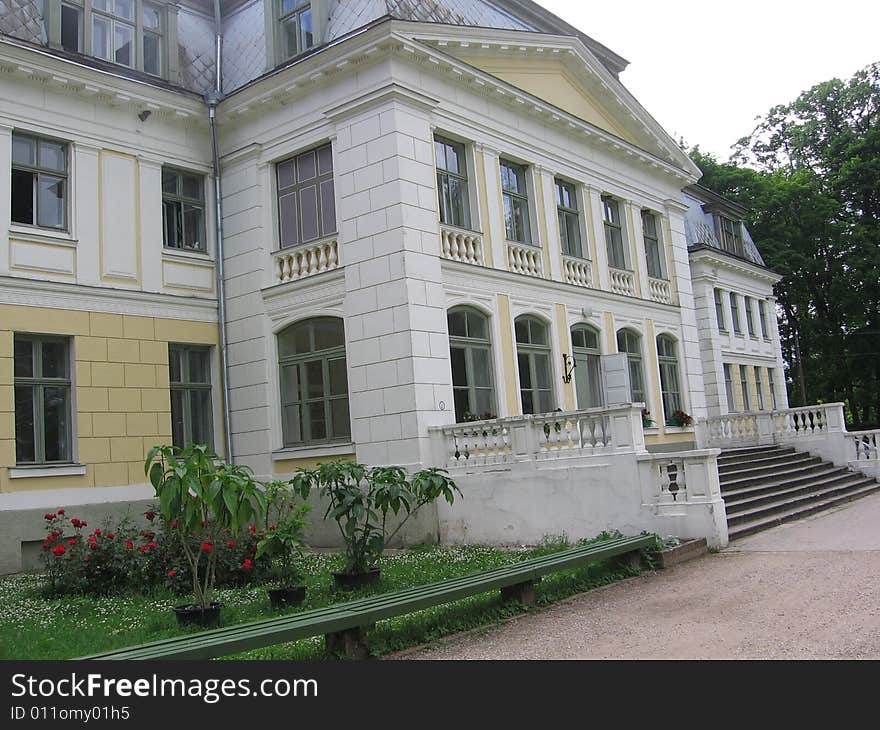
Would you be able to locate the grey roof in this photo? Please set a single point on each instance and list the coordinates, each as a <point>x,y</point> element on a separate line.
<point>22,19</point>
<point>699,227</point>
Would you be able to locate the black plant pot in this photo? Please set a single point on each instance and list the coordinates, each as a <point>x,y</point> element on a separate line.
<point>290,596</point>
<point>357,580</point>
<point>192,615</point>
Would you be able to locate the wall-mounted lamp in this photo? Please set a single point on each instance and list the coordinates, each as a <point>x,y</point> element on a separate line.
<point>568,366</point>
<point>144,115</point>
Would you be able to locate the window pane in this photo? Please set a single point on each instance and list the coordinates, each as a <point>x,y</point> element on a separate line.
<point>100,37</point>
<point>56,421</point>
<point>191,186</point>
<point>289,32</point>
<point>538,333</point>
<point>525,372</point>
<point>151,17</point>
<point>24,359</point>
<point>462,404</point>
<point>286,173</point>
<point>169,181</point>
<point>123,44</point>
<point>24,425</point>
<point>542,371</point>
<point>317,422</point>
<point>314,373</point>
<point>456,322</point>
<point>459,367</point>
<point>308,200</point>
<point>476,326</point>
<point>528,401</point>
<point>199,366</point>
<point>193,227</point>
<point>454,161</point>
<point>328,208</point>
<point>52,155</point>
<point>51,201</point>
<point>151,54</point>
<point>294,340</point>
<point>101,4</point>
<point>325,160</point>
<point>23,197</point>
<point>290,383</point>
<point>178,431</point>
<point>521,328</point>
<point>306,38</point>
<point>24,150</point>
<point>328,333</point>
<point>288,219</point>
<point>292,424</point>
<point>338,377</point>
<point>200,416</point>
<point>483,405</point>
<point>171,213</point>
<point>341,419</point>
<point>306,166</point>
<point>481,369</point>
<point>287,6</point>
<point>545,401</point>
<point>125,8</point>
<point>54,360</point>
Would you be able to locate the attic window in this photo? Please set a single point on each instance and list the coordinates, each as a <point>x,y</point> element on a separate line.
<point>729,234</point>
<point>297,31</point>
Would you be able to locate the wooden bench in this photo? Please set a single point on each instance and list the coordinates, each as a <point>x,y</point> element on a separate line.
<point>345,625</point>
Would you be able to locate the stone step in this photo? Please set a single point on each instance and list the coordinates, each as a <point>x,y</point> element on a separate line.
<point>835,476</point>
<point>781,475</point>
<point>776,458</point>
<point>766,522</point>
<point>748,450</point>
<point>783,496</point>
<point>748,470</point>
<point>728,456</point>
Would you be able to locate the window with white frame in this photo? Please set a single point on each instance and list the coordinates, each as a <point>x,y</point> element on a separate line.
<point>192,415</point>
<point>670,388</point>
<point>470,351</point>
<point>728,388</point>
<point>39,184</point>
<point>631,343</point>
<point>762,316</point>
<point>744,385</point>
<point>306,197</point>
<point>729,234</point>
<point>587,357</point>
<point>183,210</point>
<point>653,248</point>
<point>719,310</point>
<point>750,317</point>
<point>613,233</point>
<point>771,381</point>
<point>515,195</point>
<point>569,219</point>
<point>759,388</point>
<point>734,313</point>
<point>533,362</point>
<point>452,183</point>
<point>296,26</point>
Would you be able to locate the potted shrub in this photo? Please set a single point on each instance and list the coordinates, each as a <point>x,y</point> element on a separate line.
<point>202,499</point>
<point>647,421</point>
<point>360,500</point>
<point>680,418</point>
<point>282,540</point>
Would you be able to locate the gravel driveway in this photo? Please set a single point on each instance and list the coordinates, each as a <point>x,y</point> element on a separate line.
<point>805,590</point>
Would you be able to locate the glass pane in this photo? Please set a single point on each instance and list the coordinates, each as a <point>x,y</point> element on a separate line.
<point>178,431</point>
<point>484,405</point>
<point>306,166</point>
<point>328,208</point>
<point>199,366</point>
<point>325,160</point>
<point>462,404</point>
<point>52,155</point>
<point>24,359</point>
<point>314,375</point>
<point>290,384</point>
<point>175,372</point>
<point>457,356</point>
<point>328,333</point>
<point>528,401</point>
<point>537,333</point>
<point>542,371</point>
<point>294,340</point>
<point>476,324</point>
<point>291,424</point>
<point>152,64</point>
<point>56,421</point>
<point>200,416</point>
<point>287,6</point>
<point>454,163</point>
<point>23,197</point>
<point>173,220</point>
<point>192,186</point>
<point>456,322</point>
<point>578,338</point>
<point>54,363</point>
<point>125,8</point>
<point>289,33</point>
<point>545,401</point>
<point>101,4</point>
<point>51,201</point>
<point>24,150</point>
<point>122,44</point>
<point>457,202</point>
<point>521,328</point>
<point>341,419</point>
<point>70,34</point>
<point>481,367</point>
<point>525,372</point>
<point>288,220</point>
<point>317,422</point>
<point>439,154</point>
<point>24,425</point>
<point>193,227</point>
<point>308,200</point>
<point>307,39</point>
<point>169,181</point>
<point>151,17</point>
<point>338,377</point>
<point>286,173</point>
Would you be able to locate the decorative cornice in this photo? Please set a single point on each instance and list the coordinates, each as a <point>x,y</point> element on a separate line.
<point>709,256</point>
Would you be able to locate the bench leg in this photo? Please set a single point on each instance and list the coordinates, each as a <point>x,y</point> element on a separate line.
<point>632,559</point>
<point>522,592</point>
<point>351,643</point>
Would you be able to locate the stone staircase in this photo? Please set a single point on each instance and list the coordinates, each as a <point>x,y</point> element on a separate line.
<point>766,485</point>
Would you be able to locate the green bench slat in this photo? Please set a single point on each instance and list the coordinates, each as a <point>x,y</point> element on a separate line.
<point>369,610</point>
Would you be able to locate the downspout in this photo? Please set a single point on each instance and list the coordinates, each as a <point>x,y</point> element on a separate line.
<point>213,99</point>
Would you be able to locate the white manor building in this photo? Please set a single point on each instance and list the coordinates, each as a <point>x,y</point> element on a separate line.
<point>446,235</point>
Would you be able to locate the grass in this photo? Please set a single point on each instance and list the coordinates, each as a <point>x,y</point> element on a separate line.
<point>32,627</point>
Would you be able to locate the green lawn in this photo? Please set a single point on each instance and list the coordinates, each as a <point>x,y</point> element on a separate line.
<point>32,627</point>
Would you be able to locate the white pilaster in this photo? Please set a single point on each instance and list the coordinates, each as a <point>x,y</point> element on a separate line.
<point>553,244</point>
<point>593,198</point>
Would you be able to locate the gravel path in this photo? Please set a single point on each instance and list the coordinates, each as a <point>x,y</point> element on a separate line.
<point>805,590</point>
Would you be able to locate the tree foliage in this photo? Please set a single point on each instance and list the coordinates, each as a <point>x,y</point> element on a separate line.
<point>809,174</point>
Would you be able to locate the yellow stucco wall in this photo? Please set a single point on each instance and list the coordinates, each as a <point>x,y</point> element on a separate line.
<point>508,352</point>
<point>121,398</point>
<point>289,466</point>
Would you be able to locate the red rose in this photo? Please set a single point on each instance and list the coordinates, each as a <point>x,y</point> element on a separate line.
<point>61,512</point>
<point>207,547</point>
<point>273,527</point>
<point>174,524</point>
<point>87,558</point>
<point>150,515</point>
<point>247,564</point>
<point>93,545</point>
<point>45,544</point>
<point>145,533</point>
<point>204,523</point>
<point>97,532</point>
<point>252,529</point>
<point>50,537</point>
<point>172,573</point>
<point>72,541</point>
<point>232,543</point>
<point>253,548</point>
<point>59,550</point>
<point>49,516</point>
<point>152,544</point>
<point>92,538</point>
<point>129,544</point>
<point>110,535</point>
<point>142,549</point>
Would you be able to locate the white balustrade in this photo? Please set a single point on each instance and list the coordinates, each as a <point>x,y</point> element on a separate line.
<point>306,260</point>
<point>801,422</point>
<point>623,282</point>
<point>659,290</point>
<point>524,259</point>
<point>864,446</point>
<point>577,271</point>
<point>457,244</point>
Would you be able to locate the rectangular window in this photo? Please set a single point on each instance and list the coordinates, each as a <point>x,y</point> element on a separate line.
<point>734,313</point>
<point>42,399</point>
<point>39,181</point>
<point>613,233</point>
<point>744,384</point>
<point>728,387</point>
<point>762,315</point>
<point>719,311</point>
<point>297,33</point>
<point>771,381</point>
<point>306,197</point>
<point>750,317</point>
<point>114,30</point>
<point>192,415</point>
<point>71,28</point>
<point>569,219</point>
<point>183,210</point>
<point>653,252</point>
<point>730,234</point>
<point>452,183</point>
<point>151,18</point>
<point>759,388</point>
<point>516,202</point>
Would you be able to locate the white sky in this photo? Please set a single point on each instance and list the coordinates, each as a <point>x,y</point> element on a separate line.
<point>704,69</point>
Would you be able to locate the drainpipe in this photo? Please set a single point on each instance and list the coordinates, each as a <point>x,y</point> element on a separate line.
<point>213,99</point>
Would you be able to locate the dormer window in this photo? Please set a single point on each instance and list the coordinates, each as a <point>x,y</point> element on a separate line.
<point>729,234</point>
<point>297,30</point>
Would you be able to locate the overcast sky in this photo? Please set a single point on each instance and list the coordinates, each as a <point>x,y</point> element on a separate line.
<point>704,70</point>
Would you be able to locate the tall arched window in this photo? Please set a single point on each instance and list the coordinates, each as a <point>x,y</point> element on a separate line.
<point>631,343</point>
<point>470,351</point>
<point>533,360</point>
<point>314,382</point>
<point>587,373</point>
<point>667,356</point>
